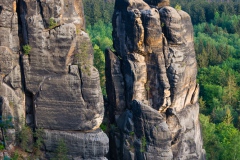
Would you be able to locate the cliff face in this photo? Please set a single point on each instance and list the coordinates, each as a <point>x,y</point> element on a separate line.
<point>54,86</point>
<point>48,80</point>
<point>151,83</point>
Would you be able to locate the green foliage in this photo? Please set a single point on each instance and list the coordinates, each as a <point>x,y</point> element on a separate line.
<point>103,127</point>
<point>215,42</point>
<point>204,11</point>
<point>99,63</point>
<point>131,133</point>
<point>209,138</point>
<point>217,45</point>
<point>98,20</point>
<point>230,92</point>
<point>61,151</point>
<point>144,144</point>
<point>38,135</point>
<point>217,48</point>
<point>211,94</point>
<point>25,138</point>
<point>52,23</point>
<point>98,10</point>
<point>101,37</point>
<point>2,147</point>
<point>224,113</point>
<point>15,156</point>
<point>220,90</point>
<point>26,49</point>
<point>26,142</point>
<point>229,138</point>
<point>221,141</point>
<point>6,122</point>
<point>162,24</point>
<point>238,126</point>
<point>228,117</point>
<point>82,57</point>
<point>202,105</point>
<point>178,7</point>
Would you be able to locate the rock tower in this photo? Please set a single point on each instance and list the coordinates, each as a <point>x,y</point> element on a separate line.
<point>151,83</point>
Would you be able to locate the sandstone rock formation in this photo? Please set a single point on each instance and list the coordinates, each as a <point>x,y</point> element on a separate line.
<point>151,83</point>
<point>151,80</point>
<point>54,86</point>
<point>12,99</point>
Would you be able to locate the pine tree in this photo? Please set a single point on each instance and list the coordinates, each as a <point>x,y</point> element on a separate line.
<point>230,91</point>
<point>203,59</point>
<point>228,117</point>
<point>61,151</point>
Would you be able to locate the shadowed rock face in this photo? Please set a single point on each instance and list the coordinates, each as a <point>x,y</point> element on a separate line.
<point>11,96</point>
<point>158,3</point>
<point>151,83</point>
<point>55,86</point>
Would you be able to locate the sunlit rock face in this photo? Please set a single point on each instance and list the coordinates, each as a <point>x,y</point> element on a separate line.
<point>53,86</point>
<point>151,83</point>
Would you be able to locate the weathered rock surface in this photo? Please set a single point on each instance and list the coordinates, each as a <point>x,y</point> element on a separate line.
<point>151,80</point>
<point>55,86</point>
<point>59,73</point>
<point>54,59</point>
<point>80,145</point>
<point>151,83</point>
<point>12,99</point>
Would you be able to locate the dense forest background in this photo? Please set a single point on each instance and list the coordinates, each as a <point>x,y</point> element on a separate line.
<point>217,45</point>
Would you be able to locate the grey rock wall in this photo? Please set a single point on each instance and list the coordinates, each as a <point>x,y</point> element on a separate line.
<point>151,83</point>
<point>81,145</point>
<point>12,99</point>
<point>55,86</point>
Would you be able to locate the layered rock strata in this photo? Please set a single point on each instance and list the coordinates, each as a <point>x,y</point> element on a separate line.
<point>151,83</point>
<point>47,75</point>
